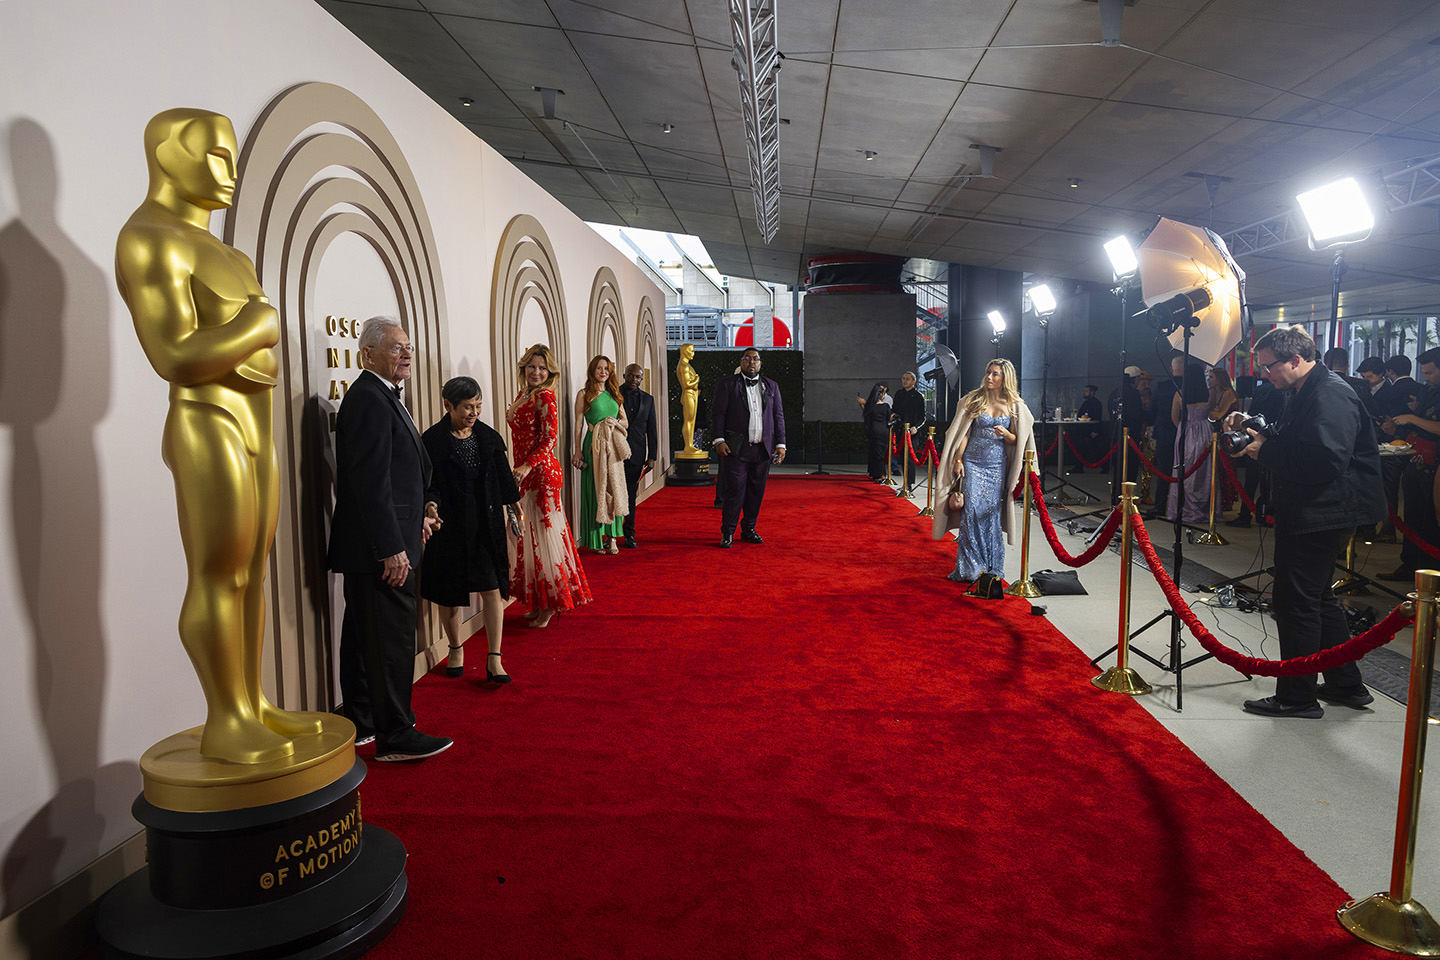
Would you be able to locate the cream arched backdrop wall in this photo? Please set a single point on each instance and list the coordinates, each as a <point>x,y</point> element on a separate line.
<point>606,314</point>
<point>368,185</point>
<point>303,183</point>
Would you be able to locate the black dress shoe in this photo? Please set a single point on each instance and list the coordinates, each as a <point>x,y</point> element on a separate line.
<point>412,745</point>
<point>1396,575</point>
<point>628,542</point>
<point>726,540</point>
<point>1357,699</point>
<point>1270,707</point>
<point>750,536</point>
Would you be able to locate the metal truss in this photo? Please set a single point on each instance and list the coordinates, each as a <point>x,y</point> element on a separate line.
<point>1410,186</point>
<point>757,62</point>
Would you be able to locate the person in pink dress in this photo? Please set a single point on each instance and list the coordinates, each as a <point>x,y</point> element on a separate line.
<point>545,572</point>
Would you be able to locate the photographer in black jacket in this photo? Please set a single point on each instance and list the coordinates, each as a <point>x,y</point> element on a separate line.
<point>1324,471</point>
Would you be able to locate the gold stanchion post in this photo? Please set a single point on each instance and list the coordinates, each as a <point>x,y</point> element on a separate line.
<point>1212,536</point>
<point>929,510</point>
<point>904,490</point>
<point>1025,587</point>
<point>1122,678</point>
<point>1393,920</point>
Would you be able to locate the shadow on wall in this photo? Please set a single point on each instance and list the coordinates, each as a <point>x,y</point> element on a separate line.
<point>54,390</point>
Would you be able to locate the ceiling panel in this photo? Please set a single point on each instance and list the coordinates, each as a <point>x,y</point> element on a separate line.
<point>1270,95</point>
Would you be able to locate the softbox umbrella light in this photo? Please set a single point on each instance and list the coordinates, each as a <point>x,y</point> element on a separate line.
<point>1178,258</point>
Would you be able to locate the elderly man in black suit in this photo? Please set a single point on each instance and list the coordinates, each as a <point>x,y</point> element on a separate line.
<point>747,421</point>
<point>381,471</point>
<point>640,411</point>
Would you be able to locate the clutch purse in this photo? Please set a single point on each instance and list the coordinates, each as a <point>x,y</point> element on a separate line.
<point>955,499</point>
<point>988,587</point>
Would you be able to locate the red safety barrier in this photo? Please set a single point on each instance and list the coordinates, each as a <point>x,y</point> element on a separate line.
<point>931,452</point>
<point>1099,463</point>
<point>1107,533</point>
<point>1352,649</point>
<point>1155,471</point>
<point>1229,466</point>
<point>1413,537</point>
<point>1051,448</point>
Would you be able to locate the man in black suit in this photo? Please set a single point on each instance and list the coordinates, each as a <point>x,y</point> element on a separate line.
<point>640,410</point>
<point>908,407</point>
<point>748,425</point>
<point>381,472</point>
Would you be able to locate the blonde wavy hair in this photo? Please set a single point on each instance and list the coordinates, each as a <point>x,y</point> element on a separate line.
<point>592,386</point>
<point>551,364</point>
<point>977,399</point>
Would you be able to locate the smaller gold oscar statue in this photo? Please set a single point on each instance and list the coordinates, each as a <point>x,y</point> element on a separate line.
<point>689,404</point>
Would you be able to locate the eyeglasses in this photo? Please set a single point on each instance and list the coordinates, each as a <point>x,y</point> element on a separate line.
<point>399,348</point>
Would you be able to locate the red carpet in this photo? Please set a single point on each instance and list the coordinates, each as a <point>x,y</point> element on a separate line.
<point>817,748</point>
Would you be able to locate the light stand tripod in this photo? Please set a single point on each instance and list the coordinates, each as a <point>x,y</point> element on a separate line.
<point>1173,663</point>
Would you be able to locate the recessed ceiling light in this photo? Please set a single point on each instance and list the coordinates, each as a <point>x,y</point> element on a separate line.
<point>467,101</point>
<point>1074,183</point>
<point>869,154</point>
<point>666,127</point>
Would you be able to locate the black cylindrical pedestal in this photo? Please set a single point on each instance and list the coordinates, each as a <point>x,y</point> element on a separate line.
<point>690,473</point>
<point>304,878</point>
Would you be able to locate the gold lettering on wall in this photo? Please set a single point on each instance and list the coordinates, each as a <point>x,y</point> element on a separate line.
<point>332,357</point>
<point>345,329</point>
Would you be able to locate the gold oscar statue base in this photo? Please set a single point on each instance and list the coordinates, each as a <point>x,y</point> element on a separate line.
<point>1210,538</point>
<point>177,777</point>
<point>1399,927</point>
<point>1023,588</point>
<point>1122,680</point>
<point>692,454</point>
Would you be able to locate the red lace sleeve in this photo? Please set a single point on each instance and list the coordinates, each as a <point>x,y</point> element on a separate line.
<point>547,428</point>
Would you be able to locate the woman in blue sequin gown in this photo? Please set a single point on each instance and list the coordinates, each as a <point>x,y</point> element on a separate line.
<point>985,445</point>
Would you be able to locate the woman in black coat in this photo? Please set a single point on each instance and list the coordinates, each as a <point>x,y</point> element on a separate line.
<point>875,414</point>
<point>470,489</point>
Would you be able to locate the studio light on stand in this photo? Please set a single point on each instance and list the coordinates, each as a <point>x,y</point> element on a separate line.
<point>1194,293</point>
<point>997,324</point>
<point>1043,304</point>
<point>1123,263</point>
<point>1337,215</point>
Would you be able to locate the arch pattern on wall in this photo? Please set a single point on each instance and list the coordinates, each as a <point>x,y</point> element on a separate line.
<point>650,354</point>
<point>606,312</point>
<point>318,164</point>
<point>526,270</point>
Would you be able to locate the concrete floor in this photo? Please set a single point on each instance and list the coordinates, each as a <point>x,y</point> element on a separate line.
<point>1330,785</point>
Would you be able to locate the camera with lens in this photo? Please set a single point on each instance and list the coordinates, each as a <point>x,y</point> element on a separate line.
<point>1234,441</point>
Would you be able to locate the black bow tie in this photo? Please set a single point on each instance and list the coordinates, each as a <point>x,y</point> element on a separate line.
<point>749,382</point>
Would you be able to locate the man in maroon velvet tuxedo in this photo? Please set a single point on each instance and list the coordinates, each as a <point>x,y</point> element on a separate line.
<point>748,424</point>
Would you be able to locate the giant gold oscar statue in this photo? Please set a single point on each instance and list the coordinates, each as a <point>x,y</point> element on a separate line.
<point>208,329</point>
<point>689,403</point>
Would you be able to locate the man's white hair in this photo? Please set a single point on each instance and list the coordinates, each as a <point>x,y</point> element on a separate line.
<point>375,331</point>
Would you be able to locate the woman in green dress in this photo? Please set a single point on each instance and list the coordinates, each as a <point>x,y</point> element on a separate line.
<point>597,401</point>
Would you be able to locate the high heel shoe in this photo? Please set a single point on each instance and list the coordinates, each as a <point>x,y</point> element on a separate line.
<point>454,669</point>
<point>495,677</point>
<point>612,547</point>
<point>543,621</point>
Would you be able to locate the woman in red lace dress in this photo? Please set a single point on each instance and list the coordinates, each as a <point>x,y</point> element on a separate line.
<point>545,572</point>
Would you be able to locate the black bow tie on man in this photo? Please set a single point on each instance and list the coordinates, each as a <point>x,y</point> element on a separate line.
<point>749,382</point>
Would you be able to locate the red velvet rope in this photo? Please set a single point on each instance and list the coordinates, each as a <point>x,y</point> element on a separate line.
<point>1239,489</point>
<point>1051,449</point>
<point>1352,649</point>
<point>1155,471</point>
<point>1112,523</point>
<point>931,452</point>
<point>1414,537</point>
<point>1099,463</point>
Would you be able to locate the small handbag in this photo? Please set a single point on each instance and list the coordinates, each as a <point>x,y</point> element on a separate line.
<point>987,586</point>
<point>955,498</point>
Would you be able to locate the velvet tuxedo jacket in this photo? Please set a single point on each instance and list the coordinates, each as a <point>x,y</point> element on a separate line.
<point>730,414</point>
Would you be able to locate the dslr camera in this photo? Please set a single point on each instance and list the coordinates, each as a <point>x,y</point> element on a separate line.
<point>1234,441</point>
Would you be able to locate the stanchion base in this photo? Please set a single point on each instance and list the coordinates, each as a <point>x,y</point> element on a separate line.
<point>1122,680</point>
<point>1023,588</point>
<point>927,512</point>
<point>1398,927</point>
<point>1209,537</point>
